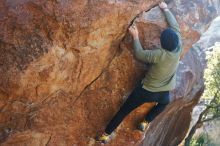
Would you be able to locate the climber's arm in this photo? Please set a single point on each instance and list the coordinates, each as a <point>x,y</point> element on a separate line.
<point>170,19</point>
<point>172,23</point>
<point>149,56</point>
<point>174,26</point>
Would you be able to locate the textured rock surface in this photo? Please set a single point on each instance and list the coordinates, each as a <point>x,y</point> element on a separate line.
<point>66,68</point>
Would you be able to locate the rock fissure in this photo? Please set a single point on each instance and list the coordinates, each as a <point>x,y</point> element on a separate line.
<point>87,86</point>
<point>47,144</point>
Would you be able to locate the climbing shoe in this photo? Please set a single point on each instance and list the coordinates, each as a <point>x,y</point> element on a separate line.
<point>143,126</point>
<point>104,138</point>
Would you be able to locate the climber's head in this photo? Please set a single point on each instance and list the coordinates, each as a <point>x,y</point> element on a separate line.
<point>169,39</point>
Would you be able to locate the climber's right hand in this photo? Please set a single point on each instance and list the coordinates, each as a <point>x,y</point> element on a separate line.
<point>163,5</point>
<point>133,31</point>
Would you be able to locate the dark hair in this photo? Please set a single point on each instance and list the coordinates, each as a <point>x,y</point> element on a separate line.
<point>169,39</point>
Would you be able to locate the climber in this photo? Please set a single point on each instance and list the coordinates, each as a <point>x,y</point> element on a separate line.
<point>158,81</point>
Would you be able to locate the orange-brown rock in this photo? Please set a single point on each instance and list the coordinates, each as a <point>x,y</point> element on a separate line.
<point>67,66</point>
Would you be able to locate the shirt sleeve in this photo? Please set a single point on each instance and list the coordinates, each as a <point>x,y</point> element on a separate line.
<point>148,56</point>
<point>173,25</point>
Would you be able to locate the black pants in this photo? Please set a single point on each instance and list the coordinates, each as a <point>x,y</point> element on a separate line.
<point>138,97</point>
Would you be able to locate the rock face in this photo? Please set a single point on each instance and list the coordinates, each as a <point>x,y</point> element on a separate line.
<point>67,66</point>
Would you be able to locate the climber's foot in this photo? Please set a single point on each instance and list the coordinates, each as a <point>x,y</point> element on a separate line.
<point>104,138</point>
<point>143,125</point>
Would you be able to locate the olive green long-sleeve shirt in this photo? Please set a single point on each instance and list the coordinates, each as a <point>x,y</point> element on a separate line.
<point>162,74</point>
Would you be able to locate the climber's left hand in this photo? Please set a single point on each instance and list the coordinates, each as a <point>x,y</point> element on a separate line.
<point>133,31</point>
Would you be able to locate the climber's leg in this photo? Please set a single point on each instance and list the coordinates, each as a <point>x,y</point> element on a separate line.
<point>163,100</point>
<point>134,100</point>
